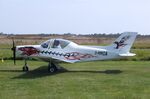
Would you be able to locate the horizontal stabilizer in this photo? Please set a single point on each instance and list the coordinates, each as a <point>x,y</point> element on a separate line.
<point>127,54</point>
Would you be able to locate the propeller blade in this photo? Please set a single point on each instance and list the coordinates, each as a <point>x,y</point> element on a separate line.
<point>14,52</point>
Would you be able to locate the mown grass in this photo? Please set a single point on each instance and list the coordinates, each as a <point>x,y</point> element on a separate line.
<point>89,80</point>
<point>141,48</point>
<point>141,54</point>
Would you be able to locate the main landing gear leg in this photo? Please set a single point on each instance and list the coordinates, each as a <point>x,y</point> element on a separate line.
<point>25,67</point>
<point>52,67</point>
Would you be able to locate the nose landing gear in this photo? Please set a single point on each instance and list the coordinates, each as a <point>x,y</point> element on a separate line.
<point>25,67</point>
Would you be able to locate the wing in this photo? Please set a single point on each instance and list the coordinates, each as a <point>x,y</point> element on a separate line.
<point>64,59</point>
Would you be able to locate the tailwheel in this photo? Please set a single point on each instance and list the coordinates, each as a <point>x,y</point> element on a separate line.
<point>52,68</point>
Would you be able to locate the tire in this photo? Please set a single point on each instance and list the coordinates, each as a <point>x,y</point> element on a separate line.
<point>52,68</point>
<point>25,68</point>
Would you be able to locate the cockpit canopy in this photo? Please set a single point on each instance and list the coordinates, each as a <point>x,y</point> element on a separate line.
<point>55,43</point>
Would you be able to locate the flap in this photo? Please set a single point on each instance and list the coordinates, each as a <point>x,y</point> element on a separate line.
<point>64,60</point>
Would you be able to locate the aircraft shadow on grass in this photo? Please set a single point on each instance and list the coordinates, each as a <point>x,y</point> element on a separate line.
<point>42,72</point>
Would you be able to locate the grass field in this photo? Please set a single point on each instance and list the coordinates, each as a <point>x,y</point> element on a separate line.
<point>89,80</point>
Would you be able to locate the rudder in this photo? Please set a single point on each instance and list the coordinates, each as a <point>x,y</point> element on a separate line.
<point>123,43</point>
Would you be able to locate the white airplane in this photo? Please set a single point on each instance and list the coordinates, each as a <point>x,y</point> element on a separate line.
<point>56,50</point>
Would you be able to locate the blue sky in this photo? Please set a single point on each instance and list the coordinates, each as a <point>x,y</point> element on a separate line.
<point>74,16</point>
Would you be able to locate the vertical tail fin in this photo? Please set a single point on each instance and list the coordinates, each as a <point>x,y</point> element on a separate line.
<point>123,43</point>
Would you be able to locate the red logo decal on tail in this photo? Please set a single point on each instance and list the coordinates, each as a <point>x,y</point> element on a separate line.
<point>121,42</point>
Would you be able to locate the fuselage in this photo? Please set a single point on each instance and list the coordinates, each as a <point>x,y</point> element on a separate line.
<point>71,53</point>
<point>67,51</point>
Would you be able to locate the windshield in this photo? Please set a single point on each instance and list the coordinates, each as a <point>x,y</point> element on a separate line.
<point>55,43</point>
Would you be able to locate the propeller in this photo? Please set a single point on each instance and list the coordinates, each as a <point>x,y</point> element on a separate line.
<point>14,52</point>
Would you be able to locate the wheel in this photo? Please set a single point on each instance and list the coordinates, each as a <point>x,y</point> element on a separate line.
<point>52,68</point>
<point>25,68</point>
